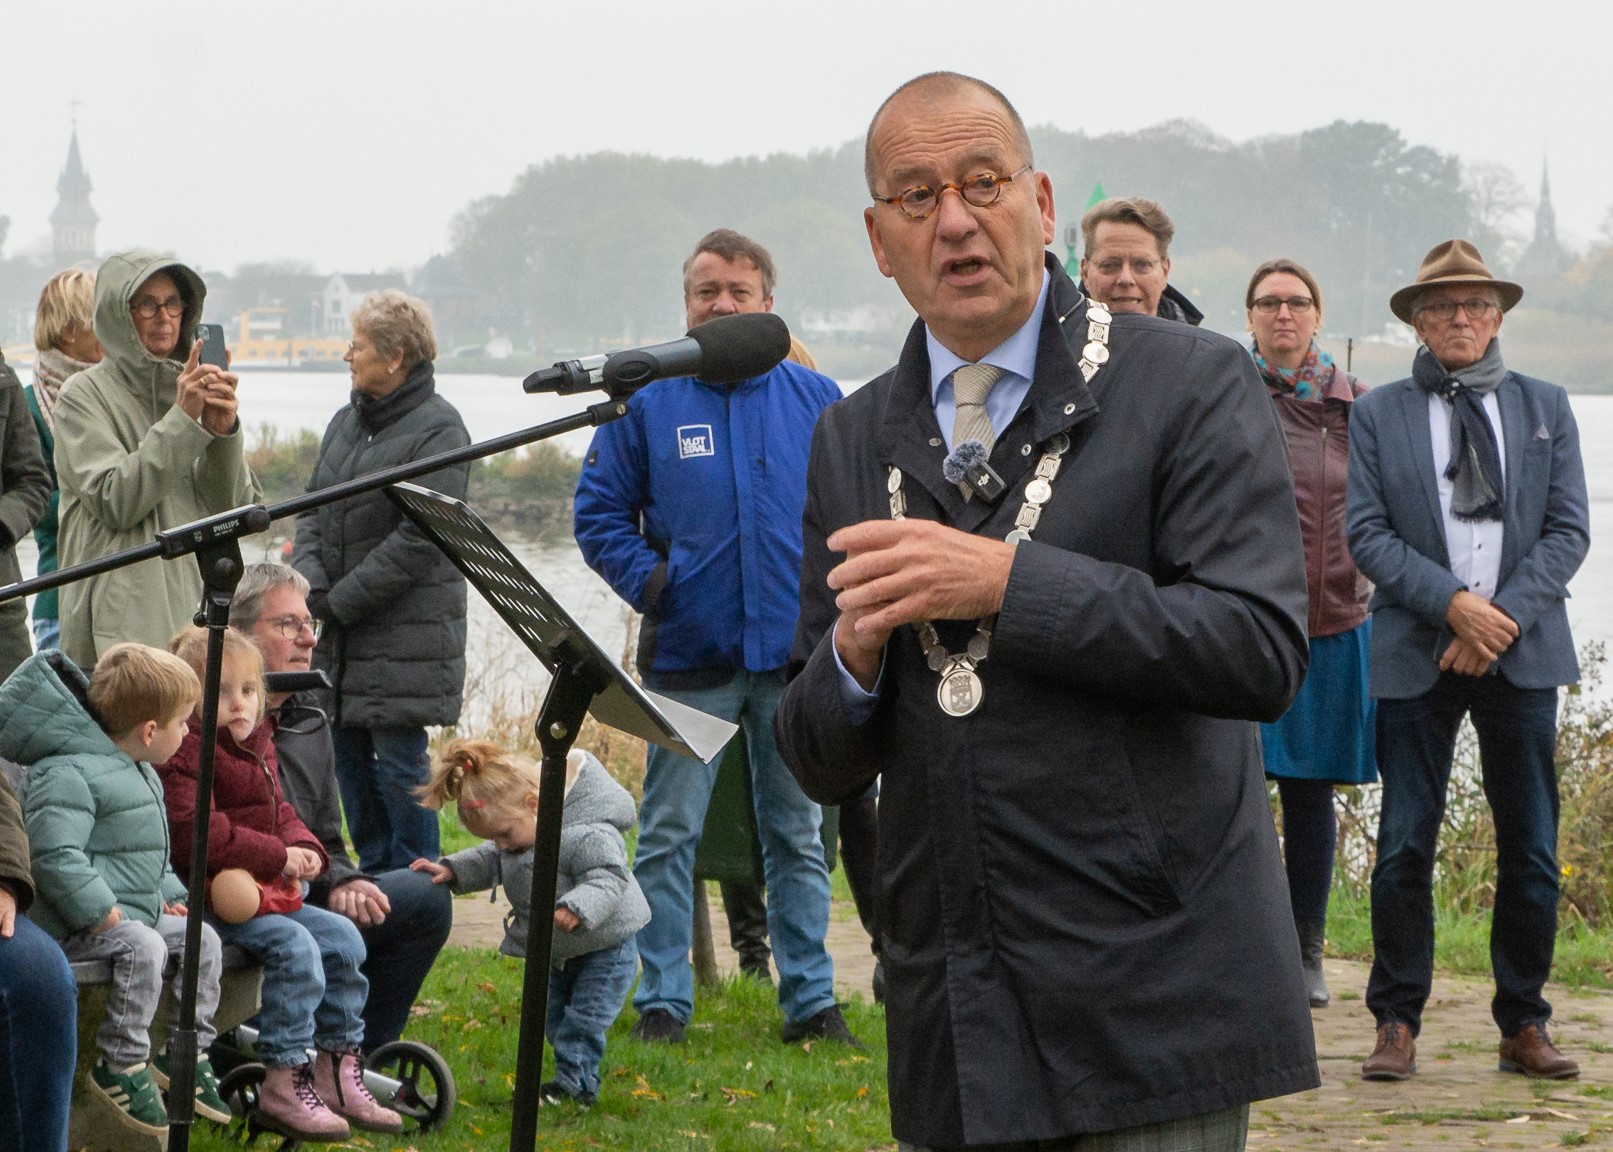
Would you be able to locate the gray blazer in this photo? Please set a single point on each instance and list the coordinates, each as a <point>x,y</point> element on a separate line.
<point>1397,534</point>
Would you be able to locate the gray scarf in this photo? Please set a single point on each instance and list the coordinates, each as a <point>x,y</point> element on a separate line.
<point>52,367</point>
<point>1475,467</point>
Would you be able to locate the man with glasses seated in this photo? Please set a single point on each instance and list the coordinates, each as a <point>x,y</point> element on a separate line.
<point>403,917</point>
<point>146,439</point>
<point>1125,261</point>
<point>1467,509</point>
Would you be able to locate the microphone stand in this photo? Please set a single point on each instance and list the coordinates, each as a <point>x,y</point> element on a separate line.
<point>215,541</point>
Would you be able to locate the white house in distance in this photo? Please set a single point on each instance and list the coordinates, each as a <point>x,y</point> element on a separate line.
<point>344,290</point>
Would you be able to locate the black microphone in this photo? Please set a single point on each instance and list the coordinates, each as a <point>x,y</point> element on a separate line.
<point>721,351</point>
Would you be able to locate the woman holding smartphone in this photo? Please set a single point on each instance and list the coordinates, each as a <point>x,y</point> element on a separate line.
<point>147,439</point>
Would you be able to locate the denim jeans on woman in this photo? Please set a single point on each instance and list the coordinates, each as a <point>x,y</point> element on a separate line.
<point>313,991</point>
<point>378,770</point>
<point>38,1040</point>
<point>586,994</point>
<point>677,791</point>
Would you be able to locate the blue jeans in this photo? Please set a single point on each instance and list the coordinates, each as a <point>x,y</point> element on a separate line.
<point>673,815</point>
<point>1517,730</point>
<point>378,770</point>
<point>401,950</point>
<point>585,997</point>
<point>313,990</point>
<point>38,1040</point>
<point>47,633</point>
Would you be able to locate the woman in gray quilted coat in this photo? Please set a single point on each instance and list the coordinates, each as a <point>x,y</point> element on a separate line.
<point>598,907</point>
<point>392,606</point>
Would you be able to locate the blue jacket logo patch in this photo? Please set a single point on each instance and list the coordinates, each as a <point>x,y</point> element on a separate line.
<point>695,440</point>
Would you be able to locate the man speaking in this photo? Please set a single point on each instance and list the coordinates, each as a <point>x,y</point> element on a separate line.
<point>1084,918</point>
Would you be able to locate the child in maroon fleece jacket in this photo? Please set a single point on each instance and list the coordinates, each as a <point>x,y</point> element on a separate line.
<point>313,990</point>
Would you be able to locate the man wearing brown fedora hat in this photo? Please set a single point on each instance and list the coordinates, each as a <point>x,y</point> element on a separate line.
<point>1468,510</point>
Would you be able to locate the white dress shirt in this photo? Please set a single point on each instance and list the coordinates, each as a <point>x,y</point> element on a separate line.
<point>1474,546</point>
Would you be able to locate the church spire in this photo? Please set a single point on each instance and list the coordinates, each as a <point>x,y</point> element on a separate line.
<point>73,221</point>
<point>1545,257</point>
<point>1545,214</point>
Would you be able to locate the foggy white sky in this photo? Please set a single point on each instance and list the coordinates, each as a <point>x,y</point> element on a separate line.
<point>348,134</point>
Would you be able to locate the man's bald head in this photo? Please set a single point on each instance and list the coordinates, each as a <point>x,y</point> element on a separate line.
<point>934,85</point>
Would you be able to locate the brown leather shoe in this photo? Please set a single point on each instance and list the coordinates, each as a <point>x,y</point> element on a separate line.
<point>1395,1057</point>
<point>1531,1053</point>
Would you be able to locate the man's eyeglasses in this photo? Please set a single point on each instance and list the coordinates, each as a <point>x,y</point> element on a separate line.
<point>1141,266</point>
<point>1298,305</point>
<point>147,308</point>
<point>291,626</point>
<point>1446,309</point>
<point>981,190</point>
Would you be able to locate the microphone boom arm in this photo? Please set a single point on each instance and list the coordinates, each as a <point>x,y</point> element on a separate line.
<point>252,518</point>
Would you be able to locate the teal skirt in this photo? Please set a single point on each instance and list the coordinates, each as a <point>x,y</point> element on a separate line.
<point>1328,733</point>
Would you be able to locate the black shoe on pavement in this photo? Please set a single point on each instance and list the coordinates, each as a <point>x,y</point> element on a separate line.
<point>658,1026</point>
<point>826,1025</point>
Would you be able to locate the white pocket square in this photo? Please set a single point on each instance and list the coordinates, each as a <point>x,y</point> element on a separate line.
<point>1542,434</point>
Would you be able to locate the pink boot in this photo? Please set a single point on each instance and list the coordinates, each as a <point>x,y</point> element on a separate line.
<point>339,1079</point>
<point>288,1103</point>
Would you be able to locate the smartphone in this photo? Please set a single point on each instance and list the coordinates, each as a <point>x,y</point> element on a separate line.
<point>211,338</point>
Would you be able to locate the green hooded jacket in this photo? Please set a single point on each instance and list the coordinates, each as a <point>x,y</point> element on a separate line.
<point>130,463</point>
<point>97,824</point>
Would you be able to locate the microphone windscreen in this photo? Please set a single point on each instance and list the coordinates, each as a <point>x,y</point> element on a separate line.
<point>738,347</point>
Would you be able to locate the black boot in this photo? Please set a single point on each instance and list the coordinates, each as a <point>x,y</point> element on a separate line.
<point>1311,938</point>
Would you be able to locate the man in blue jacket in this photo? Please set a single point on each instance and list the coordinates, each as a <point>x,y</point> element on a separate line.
<point>690,507</point>
<point>1467,509</point>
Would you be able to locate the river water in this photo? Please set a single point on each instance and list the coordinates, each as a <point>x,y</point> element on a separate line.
<point>495,405</point>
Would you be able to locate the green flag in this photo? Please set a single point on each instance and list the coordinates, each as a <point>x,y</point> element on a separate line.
<point>1072,263</point>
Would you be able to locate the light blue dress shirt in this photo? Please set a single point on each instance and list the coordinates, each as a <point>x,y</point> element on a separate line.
<point>1016,356</point>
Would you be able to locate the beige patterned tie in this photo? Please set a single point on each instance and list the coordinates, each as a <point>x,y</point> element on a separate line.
<point>971,384</point>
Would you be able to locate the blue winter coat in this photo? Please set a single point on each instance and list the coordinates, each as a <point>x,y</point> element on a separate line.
<point>690,508</point>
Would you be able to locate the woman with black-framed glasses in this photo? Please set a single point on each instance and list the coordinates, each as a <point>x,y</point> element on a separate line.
<point>1326,736</point>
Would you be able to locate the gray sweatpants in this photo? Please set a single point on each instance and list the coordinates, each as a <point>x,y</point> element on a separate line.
<point>140,956</point>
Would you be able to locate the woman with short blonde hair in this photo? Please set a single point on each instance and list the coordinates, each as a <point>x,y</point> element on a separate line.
<point>64,337</point>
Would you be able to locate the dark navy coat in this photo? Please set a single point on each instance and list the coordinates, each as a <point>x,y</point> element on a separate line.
<point>1085,919</point>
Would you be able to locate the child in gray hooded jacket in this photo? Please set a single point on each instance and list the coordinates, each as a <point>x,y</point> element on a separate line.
<point>598,907</point>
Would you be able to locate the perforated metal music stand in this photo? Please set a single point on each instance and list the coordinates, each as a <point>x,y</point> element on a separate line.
<point>585,680</point>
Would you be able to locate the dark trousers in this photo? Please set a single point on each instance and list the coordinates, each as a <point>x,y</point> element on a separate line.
<point>744,903</point>
<point>401,950</point>
<point>859,856</point>
<point>1310,833</point>
<point>1517,730</point>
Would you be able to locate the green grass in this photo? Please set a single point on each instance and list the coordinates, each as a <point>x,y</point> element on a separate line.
<point>732,1088</point>
<point>1584,956</point>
